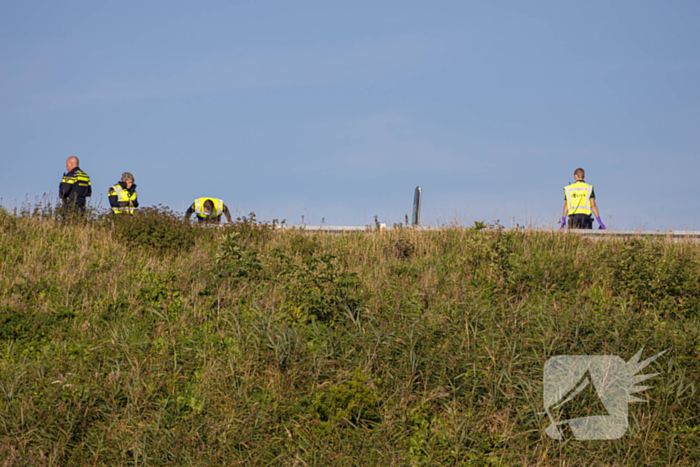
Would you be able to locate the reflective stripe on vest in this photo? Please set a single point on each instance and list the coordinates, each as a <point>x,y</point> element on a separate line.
<point>199,207</point>
<point>578,198</point>
<point>80,178</point>
<point>123,196</point>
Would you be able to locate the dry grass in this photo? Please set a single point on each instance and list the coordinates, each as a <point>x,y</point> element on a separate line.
<point>236,351</point>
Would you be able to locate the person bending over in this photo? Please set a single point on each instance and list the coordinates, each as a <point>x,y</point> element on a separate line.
<point>208,210</point>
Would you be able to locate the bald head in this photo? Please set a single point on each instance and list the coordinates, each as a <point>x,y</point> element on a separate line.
<point>71,163</point>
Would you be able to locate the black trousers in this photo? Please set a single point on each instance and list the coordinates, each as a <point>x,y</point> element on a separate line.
<point>580,221</point>
<point>209,220</point>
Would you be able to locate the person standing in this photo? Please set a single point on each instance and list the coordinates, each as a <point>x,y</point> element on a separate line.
<point>208,210</point>
<point>75,186</point>
<point>579,202</point>
<point>122,196</point>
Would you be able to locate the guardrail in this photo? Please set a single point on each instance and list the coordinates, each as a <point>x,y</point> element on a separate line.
<point>677,235</point>
<point>608,233</point>
<point>335,228</point>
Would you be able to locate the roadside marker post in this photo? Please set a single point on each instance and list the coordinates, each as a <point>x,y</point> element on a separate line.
<point>417,198</point>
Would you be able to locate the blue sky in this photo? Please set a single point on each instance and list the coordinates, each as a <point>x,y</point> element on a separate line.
<point>337,111</point>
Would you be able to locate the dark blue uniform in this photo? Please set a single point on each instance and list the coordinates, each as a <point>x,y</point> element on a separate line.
<point>75,187</point>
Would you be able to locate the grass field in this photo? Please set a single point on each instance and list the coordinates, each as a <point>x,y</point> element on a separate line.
<point>151,342</point>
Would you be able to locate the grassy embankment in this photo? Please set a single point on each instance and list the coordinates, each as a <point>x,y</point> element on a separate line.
<point>153,343</point>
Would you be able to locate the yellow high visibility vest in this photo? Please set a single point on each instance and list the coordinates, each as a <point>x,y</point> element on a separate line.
<point>123,196</point>
<point>578,198</point>
<point>199,207</point>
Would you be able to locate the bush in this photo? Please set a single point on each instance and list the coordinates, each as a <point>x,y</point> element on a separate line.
<point>253,230</point>
<point>318,289</point>
<point>235,260</point>
<point>355,400</point>
<point>650,276</point>
<point>156,228</point>
<point>116,356</point>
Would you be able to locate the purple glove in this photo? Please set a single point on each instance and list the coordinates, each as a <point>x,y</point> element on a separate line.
<point>563,222</point>
<point>602,226</point>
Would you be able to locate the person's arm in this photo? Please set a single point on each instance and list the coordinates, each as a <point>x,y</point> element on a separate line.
<point>563,215</point>
<point>65,187</point>
<point>189,212</point>
<point>134,200</point>
<point>113,198</point>
<point>227,213</point>
<point>594,208</point>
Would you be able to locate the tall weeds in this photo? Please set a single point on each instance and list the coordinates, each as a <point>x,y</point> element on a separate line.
<point>251,346</point>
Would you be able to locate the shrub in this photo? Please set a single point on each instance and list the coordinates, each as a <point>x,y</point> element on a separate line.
<point>251,229</point>
<point>235,260</point>
<point>318,289</point>
<point>652,276</point>
<point>355,400</point>
<point>156,228</point>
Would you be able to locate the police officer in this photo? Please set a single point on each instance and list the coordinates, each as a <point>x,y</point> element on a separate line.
<point>208,210</point>
<point>579,201</point>
<point>75,186</point>
<point>122,196</point>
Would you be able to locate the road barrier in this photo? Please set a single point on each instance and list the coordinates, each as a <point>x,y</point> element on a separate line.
<point>596,234</point>
<point>676,235</point>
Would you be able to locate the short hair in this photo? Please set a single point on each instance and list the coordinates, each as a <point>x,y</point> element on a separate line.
<point>126,176</point>
<point>73,160</point>
<point>580,173</point>
<point>208,205</point>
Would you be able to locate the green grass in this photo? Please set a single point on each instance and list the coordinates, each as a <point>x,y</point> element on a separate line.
<point>150,342</point>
